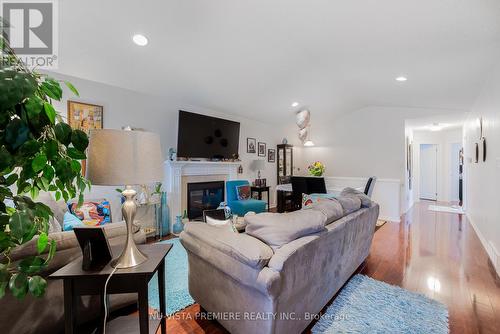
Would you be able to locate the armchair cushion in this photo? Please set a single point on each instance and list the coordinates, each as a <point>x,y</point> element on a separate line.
<point>242,207</point>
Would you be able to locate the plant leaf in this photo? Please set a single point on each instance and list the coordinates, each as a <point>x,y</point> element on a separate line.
<point>33,106</point>
<point>75,166</point>
<point>52,251</point>
<point>16,133</point>
<point>52,89</point>
<point>79,140</point>
<point>72,88</point>
<point>20,223</point>
<point>31,264</point>
<point>43,241</point>
<point>5,158</point>
<point>63,133</point>
<point>39,162</point>
<point>50,112</point>
<point>18,284</point>
<point>76,154</point>
<point>37,286</point>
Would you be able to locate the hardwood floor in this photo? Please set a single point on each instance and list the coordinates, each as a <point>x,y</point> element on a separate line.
<point>434,253</point>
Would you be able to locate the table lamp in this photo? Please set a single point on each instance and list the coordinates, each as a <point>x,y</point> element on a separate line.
<point>258,165</point>
<point>124,157</point>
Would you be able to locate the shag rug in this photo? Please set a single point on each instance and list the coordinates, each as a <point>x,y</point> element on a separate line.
<point>176,277</point>
<point>366,305</point>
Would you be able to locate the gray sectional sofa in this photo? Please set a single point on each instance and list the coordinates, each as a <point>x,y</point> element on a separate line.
<point>286,267</point>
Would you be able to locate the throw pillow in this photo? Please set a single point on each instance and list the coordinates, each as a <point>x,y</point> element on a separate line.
<point>365,200</point>
<point>70,221</point>
<point>243,192</point>
<point>349,204</point>
<point>277,229</point>
<point>308,199</point>
<point>332,209</point>
<point>92,212</point>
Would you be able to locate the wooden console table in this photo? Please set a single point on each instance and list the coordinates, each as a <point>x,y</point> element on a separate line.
<point>78,282</point>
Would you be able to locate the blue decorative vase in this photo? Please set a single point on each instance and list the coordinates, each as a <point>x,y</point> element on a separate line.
<point>178,226</point>
<point>165,214</point>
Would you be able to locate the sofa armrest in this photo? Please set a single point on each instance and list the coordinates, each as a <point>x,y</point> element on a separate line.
<point>67,247</point>
<point>239,256</point>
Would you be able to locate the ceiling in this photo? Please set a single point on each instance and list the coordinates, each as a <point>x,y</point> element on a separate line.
<point>254,58</point>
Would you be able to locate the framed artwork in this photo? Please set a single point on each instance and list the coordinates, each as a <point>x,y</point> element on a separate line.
<point>84,116</point>
<point>251,145</point>
<point>271,155</point>
<point>261,149</point>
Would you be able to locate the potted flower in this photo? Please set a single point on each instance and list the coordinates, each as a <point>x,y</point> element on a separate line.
<point>316,169</point>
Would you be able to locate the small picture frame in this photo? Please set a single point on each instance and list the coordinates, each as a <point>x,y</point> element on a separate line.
<point>261,149</point>
<point>271,155</point>
<point>251,145</point>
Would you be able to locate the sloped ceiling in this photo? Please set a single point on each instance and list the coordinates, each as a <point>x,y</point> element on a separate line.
<point>255,58</point>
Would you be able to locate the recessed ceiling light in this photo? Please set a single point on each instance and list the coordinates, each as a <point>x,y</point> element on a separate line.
<point>295,104</point>
<point>140,40</point>
<point>401,79</point>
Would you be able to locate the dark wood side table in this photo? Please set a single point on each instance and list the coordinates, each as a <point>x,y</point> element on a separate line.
<point>131,280</point>
<point>259,191</point>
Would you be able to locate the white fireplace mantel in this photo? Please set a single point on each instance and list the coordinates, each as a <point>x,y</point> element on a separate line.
<point>175,170</point>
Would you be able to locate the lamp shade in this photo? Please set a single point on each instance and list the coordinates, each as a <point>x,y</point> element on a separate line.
<point>258,165</point>
<point>121,157</point>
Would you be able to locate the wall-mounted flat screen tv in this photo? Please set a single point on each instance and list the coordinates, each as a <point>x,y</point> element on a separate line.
<point>202,136</point>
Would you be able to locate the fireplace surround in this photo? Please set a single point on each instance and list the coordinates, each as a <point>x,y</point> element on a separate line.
<point>179,173</point>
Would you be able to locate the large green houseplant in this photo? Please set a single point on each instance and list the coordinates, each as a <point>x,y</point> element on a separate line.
<point>38,152</point>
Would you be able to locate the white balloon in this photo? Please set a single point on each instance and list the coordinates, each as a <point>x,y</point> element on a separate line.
<point>303,134</point>
<point>302,118</point>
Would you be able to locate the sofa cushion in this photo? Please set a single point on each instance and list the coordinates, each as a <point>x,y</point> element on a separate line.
<point>239,246</point>
<point>365,200</point>
<point>332,209</point>
<point>277,229</point>
<point>349,204</point>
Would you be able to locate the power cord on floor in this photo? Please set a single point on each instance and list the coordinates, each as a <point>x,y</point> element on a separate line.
<point>105,301</point>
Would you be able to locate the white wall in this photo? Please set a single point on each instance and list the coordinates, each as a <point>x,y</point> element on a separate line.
<point>483,179</point>
<point>443,139</point>
<point>369,141</point>
<point>124,107</point>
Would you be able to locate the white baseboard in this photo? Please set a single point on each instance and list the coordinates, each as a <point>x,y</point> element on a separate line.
<point>490,249</point>
<point>390,219</point>
<point>387,193</point>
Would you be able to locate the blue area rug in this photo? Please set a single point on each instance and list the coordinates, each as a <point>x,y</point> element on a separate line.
<point>176,269</point>
<point>366,305</point>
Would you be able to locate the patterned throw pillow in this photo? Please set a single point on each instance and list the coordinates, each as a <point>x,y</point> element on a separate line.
<point>92,213</point>
<point>243,192</point>
<point>71,221</point>
<point>315,198</point>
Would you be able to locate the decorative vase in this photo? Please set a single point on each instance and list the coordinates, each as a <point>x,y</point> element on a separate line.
<point>165,214</point>
<point>178,226</point>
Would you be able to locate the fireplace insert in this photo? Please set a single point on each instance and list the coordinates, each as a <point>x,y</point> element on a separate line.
<point>203,196</point>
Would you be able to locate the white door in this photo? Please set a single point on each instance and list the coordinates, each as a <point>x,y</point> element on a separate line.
<point>428,171</point>
<point>454,173</point>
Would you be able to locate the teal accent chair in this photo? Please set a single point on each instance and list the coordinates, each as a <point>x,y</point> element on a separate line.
<point>242,207</point>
